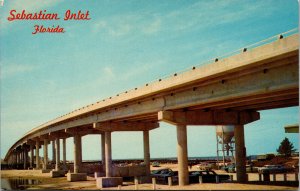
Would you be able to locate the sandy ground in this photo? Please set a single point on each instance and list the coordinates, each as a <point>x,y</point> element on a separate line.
<point>45,182</point>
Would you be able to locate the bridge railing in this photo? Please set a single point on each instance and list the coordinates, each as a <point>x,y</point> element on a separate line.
<point>235,52</point>
<point>232,53</point>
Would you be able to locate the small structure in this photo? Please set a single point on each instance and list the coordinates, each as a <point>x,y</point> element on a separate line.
<point>291,128</point>
<point>225,141</point>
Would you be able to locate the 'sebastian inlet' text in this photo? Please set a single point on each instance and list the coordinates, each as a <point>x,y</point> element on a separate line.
<point>43,15</point>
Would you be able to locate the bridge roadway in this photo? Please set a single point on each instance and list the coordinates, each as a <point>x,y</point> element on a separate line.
<point>228,91</point>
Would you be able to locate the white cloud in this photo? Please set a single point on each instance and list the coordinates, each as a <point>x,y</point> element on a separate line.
<point>112,27</point>
<point>98,26</point>
<point>153,27</point>
<point>124,25</point>
<point>205,14</point>
<point>108,72</point>
<point>15,69</point>
<point>140,69</point>
<point>120,30</point>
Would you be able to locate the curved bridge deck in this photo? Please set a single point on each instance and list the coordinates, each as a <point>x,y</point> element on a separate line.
<point>230,90</point>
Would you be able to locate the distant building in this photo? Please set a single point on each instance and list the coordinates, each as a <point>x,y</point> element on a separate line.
<point>264,157</point>
<point>292,128</point>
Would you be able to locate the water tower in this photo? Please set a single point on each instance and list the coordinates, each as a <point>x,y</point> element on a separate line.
<point>225,142</point>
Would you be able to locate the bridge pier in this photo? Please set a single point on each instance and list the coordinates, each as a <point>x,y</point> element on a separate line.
<point>37,155</point>
<point>108,127</point>
<point>53,152</point>
<point>182,155</point>
<point>76,153</point>
<point>80,152</point>
<point>218,117</point>
<point>57,154</point>
<point>146,151</point>
<point>77,175</point>
<point>108,154</point>
<point>64,154</point>
<point>108,180</point>
<point>25,153</point>
<point>240,153</point>
<point>15,159</point>
<point>45,147</point>
<point>18,158</point>
<point>57,172</point>
<point>31,157</point>
<point>21,158</point>
<point>103,150</point>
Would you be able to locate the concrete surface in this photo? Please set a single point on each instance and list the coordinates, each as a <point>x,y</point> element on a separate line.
<point>73,177</point>
<point>57,173</point>
<point>104,182</point>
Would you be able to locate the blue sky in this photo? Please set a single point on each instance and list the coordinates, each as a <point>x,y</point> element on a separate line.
<point>125,45</point>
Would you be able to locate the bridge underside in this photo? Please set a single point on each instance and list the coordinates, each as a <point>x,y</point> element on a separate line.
<point>268,86</point>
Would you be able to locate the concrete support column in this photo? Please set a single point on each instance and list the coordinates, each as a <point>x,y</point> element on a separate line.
<point>76,153</point>
<point>21,156</point>
<point>240,153</point>
<point>31,156</point>
<point>53,151</point>
<point>108,158</point>
<point>25,158</point>
<point>78,175</point>
<point>103,149</point>
<point>80,150</point>
<point>57,154</point>
<point>146,151</point>
<point>18,157</point>
<point>64,152</point>
<point>182,155</point>
<point>8,161</point>
<point>37,155</point>
<point>14,158</point>
<point>45,154</point>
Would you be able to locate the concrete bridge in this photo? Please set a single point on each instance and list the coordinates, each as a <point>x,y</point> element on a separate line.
<point>227,91</point>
